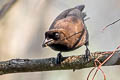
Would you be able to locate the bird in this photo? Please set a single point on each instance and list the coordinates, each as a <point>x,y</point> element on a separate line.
<point>68,32</point>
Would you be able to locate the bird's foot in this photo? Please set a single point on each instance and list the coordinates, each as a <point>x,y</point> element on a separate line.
<point>59,58</point>
<point>87,54</point>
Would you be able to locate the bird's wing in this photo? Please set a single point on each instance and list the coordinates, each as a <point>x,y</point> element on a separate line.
<point>76,11</point>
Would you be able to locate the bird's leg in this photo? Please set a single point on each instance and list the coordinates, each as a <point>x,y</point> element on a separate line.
<point>59,58</point>
<point>87,52</point>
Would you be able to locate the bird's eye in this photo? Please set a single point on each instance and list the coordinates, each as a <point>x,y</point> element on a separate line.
<point>56,36</point>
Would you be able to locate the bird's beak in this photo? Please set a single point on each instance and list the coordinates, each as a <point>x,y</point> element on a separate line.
<point>47,42</point>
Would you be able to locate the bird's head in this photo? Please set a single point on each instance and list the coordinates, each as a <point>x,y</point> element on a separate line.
<point>54,36</point>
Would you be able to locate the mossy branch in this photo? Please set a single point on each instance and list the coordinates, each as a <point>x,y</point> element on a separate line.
<point>49,64</point>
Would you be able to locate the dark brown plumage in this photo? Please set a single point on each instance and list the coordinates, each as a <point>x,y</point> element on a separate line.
<point>68,32</point>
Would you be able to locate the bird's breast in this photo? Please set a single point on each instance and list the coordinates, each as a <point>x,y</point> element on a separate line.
<point>60,47</point>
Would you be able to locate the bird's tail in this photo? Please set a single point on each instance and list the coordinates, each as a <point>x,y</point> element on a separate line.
<point>81,8</point>
<point>77,11</point>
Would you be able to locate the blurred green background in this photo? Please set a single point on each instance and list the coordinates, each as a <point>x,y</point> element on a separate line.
<point>22,31</point>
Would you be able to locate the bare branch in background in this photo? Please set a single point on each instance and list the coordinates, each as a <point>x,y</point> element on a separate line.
<point>49,64</point>
<point>5,5</point>
<point>110,24</point>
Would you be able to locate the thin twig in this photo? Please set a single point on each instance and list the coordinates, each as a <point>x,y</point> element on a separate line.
<point>110,24</point>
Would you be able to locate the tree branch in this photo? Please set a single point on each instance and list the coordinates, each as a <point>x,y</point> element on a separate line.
<point>49,64</point>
